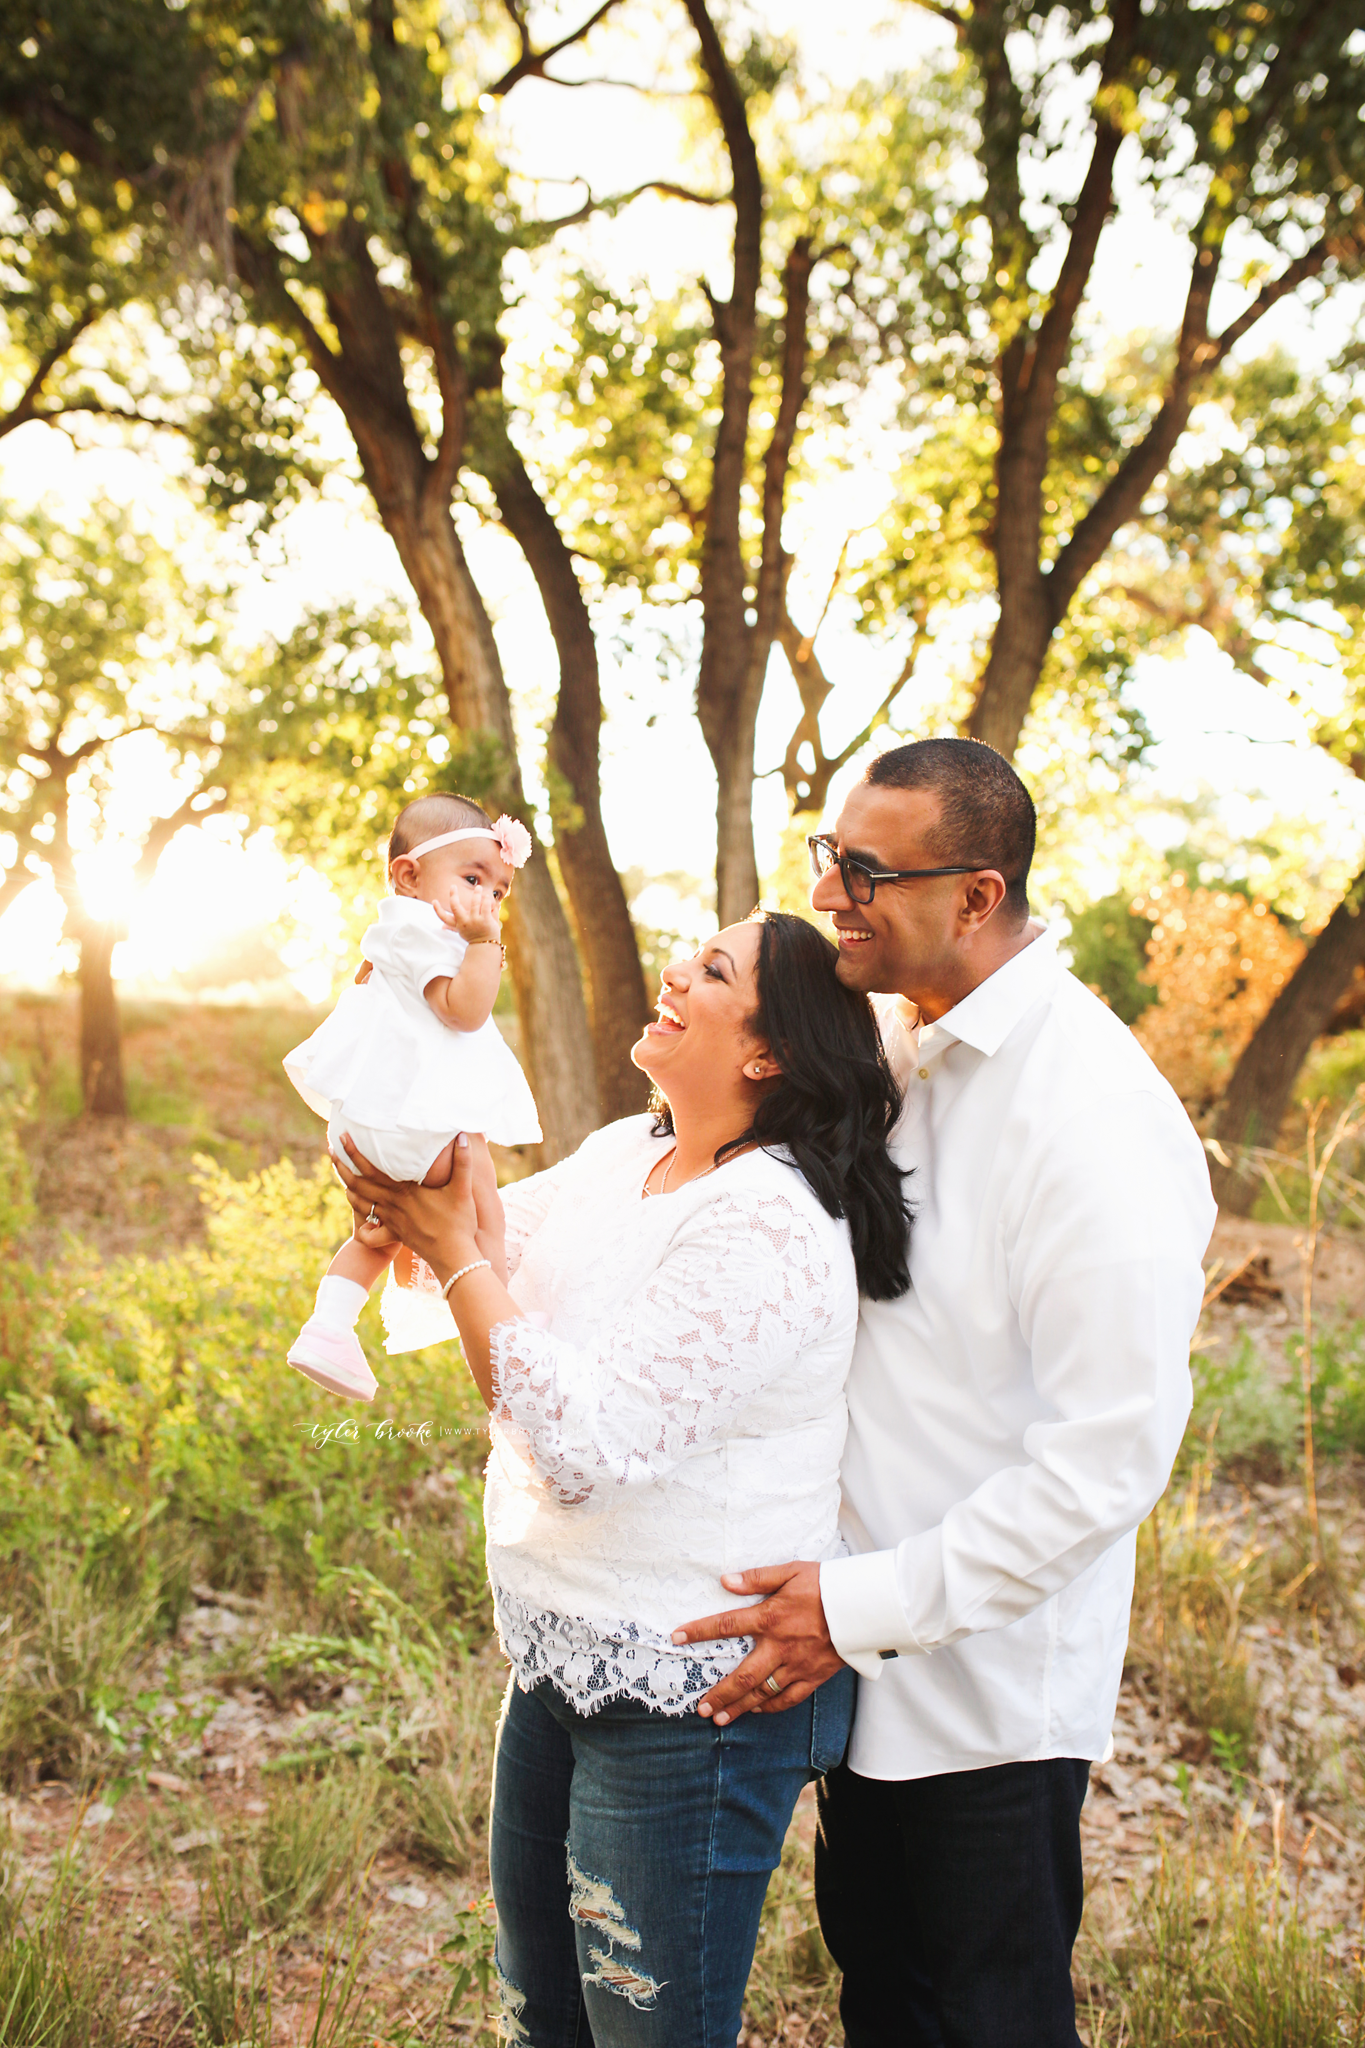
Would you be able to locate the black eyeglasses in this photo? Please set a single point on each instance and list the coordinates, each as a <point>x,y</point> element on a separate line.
<point>859,880</point>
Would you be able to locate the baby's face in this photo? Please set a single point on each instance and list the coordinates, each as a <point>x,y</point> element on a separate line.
<point>473,861</point>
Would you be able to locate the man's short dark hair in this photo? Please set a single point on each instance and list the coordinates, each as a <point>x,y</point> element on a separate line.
<point>427,817</point>
<point>986,816</point>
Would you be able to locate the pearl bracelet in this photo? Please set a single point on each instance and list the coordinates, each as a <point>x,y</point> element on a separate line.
<point>472,1267</point>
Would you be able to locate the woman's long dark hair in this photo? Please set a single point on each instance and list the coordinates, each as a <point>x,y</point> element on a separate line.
<point>837,1101</point>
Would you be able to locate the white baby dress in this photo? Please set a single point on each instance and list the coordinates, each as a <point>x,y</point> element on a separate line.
<point>385,1068</point>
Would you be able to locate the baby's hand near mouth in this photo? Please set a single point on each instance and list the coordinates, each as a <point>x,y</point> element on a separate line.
<point>472,913</point>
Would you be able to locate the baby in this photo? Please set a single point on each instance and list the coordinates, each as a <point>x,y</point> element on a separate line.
<point>410,1056</point>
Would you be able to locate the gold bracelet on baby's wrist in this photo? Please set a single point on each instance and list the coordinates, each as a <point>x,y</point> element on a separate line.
<point>490,942</point>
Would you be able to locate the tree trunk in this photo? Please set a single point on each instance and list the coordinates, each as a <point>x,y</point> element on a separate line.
<point>736,865</point>
<point>102,1088</point>
<point>1256,1098</point>
<point>365,377</point>
<point>606,936</point>
<point>727,706</point>
<point>1019,647</point>
<point>547,978</point>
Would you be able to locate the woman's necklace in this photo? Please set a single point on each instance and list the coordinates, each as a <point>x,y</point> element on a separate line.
<point>647,1192</point>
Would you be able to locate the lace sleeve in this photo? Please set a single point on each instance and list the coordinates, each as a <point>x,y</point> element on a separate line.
<point>739,1295</point>
<point>525,1205</point>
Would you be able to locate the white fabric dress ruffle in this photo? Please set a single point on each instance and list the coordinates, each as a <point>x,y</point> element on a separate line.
<point>385,1059</point>
<point>385,1067</point>
<point>671,1408</point>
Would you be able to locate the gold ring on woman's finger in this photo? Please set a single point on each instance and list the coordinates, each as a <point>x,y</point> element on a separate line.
<point>773,1684</point>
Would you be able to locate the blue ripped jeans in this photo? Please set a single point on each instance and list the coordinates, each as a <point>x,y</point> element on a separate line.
<point>630,1853</point>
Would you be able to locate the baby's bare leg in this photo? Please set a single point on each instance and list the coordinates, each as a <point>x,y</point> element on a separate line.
<point>362,1262</point>
<point>437,1174</point>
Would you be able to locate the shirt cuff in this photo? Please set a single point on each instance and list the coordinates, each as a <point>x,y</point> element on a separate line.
<point>863,1611</point>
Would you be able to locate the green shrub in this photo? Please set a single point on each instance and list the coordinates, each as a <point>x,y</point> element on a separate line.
<point>1108,948</point>
<point>16,1180</point>
<point>152,1437</point>
<point>1334,1068</point>
<point>1253,1418</point>
<point>1338,1388</point>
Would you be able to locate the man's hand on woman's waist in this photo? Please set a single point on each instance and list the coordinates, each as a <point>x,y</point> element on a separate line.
<point>792,1645</point>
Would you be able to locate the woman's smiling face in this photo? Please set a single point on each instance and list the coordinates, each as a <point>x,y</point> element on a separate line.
<point>703,1033</point>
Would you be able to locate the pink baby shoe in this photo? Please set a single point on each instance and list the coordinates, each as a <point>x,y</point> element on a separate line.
<point>333,1359</point>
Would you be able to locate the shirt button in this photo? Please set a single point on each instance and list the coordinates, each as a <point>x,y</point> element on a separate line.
<point>924,1073</point>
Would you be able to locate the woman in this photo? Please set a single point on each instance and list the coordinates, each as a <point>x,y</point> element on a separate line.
<point>666,1385</point>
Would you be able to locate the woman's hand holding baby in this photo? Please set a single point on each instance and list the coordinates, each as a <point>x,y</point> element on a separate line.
<point>439,1224</point>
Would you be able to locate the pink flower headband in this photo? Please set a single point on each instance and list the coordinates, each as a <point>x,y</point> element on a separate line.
<point>511,836</point>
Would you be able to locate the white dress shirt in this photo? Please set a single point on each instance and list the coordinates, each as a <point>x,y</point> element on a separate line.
<point>1015,1415</point>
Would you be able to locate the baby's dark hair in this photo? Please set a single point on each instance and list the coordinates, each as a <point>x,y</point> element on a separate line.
<point>427,817</point>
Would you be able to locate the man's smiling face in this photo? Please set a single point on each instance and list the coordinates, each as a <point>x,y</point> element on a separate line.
<point>903,940</point>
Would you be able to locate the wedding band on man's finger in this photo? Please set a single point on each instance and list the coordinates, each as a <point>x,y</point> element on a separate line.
<point>773,1684</point>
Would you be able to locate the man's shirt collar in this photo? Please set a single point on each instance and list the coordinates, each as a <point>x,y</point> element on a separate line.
<point>985,1018</point>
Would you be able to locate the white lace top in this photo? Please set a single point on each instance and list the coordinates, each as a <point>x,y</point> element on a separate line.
<point>672,1408</point>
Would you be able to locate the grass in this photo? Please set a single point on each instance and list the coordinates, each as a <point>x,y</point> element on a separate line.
<point>794,1976</point>
<point>186,1065</point>
<point>68,1648</point>
<point>315,1842</point>
<point>178,1534</point>
<point>1198,1577</point>
<point>1217,1953</point>
<point>58,1970</point>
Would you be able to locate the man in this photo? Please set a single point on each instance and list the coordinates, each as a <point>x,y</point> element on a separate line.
<point>1012,1419</point>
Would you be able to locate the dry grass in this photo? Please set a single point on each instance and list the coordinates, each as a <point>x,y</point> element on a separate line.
<point>261,1818</point>
<point>200,1080</point>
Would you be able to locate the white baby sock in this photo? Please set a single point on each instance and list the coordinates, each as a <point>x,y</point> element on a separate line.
<point>339,1301</point>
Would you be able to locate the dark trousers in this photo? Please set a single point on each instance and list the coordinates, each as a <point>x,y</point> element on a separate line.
<point>951,1904</point>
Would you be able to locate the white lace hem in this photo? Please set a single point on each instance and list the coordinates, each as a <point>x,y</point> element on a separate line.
<point>588,1667</point>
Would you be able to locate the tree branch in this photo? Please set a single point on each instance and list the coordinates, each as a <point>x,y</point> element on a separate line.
<point>14,881</point>
<point>163,831</point>
<point>258,266</point>
<point>945,13</point>
<point>1197,355</point>
<point>1043,355</point>
<point>26,409</point>
<point>531,63</point>
<point>454,384</point>
<point>93,408</point>
<point>619,199</point>
<point>776,462</point>
<point>815,687</point>
<point>1343,243</point>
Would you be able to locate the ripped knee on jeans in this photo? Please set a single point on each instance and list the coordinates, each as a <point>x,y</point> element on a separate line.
<point>593,1903</point>
<point>511,2006</point>
<point>623,1978</point>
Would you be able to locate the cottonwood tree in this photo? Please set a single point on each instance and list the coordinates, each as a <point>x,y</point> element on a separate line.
<point>102,642</point>
<point>691,412</point>
<point>328,169</point>
<point>1024,468</point>
<point>1244,122</point>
